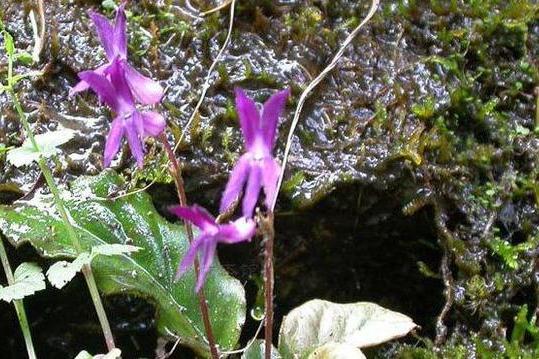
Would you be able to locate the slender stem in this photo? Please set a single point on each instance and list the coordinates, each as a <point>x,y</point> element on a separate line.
<point>60,207</point>
<point>176,172</point>
<point>100,310</point>
<point>19,305</point>
<point>268,232</point>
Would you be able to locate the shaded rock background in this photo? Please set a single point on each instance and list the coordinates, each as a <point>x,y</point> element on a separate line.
<point>413,175</point>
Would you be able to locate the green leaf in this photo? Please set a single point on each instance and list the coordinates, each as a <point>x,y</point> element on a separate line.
<point>113,249</point>
<point>257,350</point>
<point>19,77</point>
<point>62,272</point>
<point>24,57</point>
<point>337,351</point>
<point>48,146</point>
<point>28,279</point>
<point>320,322</point>
<point>148,273</point>
<point>3,148</point>
<point>9,45</point>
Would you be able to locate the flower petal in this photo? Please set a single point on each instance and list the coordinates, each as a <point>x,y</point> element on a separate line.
<point>237,179</point>
<point>242,229</point>
<point>102,87</point>
<point>270,176</point>
<point>79,87</point>
<point>248,115</point>
<point>116,71</point>
<point>134,141</point>
<point>153,122</point>
<point>189,259</point>
<point>273,108</point>
<point>252,191</point>
<point>208,253</point>
<point>194,214</point>
<point>82,85</point>
<point>120,32</point>
<point>144,89</point>
<point>105,33</point>
<point>139,124</point>
<point>114,139</point>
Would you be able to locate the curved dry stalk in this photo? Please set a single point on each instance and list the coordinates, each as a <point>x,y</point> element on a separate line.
<point>313,84</point>
<point>217,8</point>
<point>206,85</point>
<point>268,230</point>
<point>39,35</point>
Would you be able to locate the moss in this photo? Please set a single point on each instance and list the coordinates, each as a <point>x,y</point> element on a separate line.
<point>424,110</point>
<point>305,23</point>
<point>226,139</point>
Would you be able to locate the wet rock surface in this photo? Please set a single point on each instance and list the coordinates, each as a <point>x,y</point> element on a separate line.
<point>415,161</point>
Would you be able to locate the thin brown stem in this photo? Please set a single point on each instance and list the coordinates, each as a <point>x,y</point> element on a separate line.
<point>268,232</point>
<point>176,173</point>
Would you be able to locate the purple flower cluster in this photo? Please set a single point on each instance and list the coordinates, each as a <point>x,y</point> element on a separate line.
<point>121,87</point>
<point>257,169</point>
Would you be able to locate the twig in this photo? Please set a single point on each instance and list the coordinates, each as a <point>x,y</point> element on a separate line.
<point>206,85</point>
<point>217,8</point>
<point>269,233</point>
<point>313,84</point>
<point>19,305</point>
<point>176,173</point>
<point>39,35</point>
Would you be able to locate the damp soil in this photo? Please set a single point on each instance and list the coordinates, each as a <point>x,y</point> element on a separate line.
<point>420,149</point>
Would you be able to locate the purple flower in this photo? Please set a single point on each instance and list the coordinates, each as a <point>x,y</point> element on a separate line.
<point>211,233</point>
<point>114,41</point>
<point>256,169</point>
<point>113,89</point>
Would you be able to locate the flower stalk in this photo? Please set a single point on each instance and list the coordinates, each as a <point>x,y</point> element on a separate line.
<point>60,207</point>
<point>19,305</point>
<point>268,232</point>
<point>176,173</point>
<point>256,171</point>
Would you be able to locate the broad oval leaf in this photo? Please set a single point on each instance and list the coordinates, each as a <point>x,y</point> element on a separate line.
<point>28,279</point>
<point>319,322</point>
<point>148,272</point>
<point>337,351</point>
<point>48,143</point>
